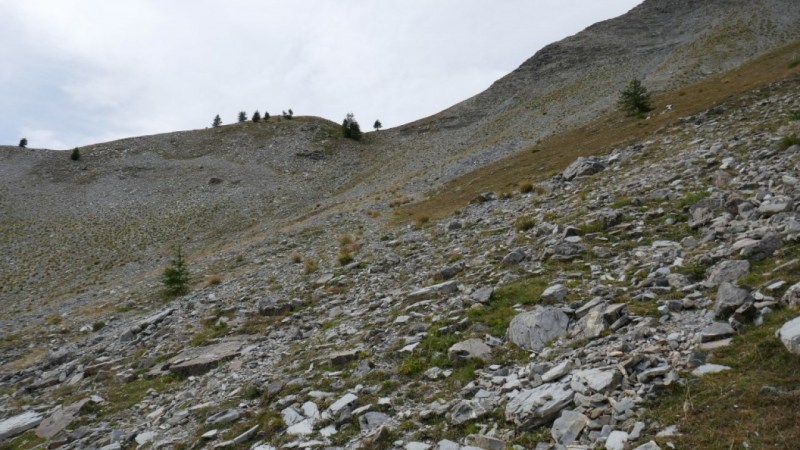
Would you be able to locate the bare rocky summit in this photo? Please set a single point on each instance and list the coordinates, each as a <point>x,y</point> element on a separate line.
<point>606,306</point>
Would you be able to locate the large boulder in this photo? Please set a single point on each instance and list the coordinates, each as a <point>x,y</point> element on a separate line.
<point>19,424</point>
<point>532,330</point>
<point>729,299</point>
<point>582,167</point>
<point>568,427</point>
<point>728,271</point>
<point>533,407</point>
<point>789,334</point>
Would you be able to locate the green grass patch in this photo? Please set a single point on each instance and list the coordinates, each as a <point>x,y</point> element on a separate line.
<point>499,312</point>
<point>789,141</point>
<point>212,329</point>
<point>27,440</point>
<point>524,223</point>
<point>775,268</point>
<point>122,396</point>
<point>622,202</point>
<point>691,198</point>
<point>725,410</point>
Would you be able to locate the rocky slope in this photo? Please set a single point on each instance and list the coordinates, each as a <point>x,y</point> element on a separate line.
<point>549,318</point>
<point>601,307</point>
<point>70,229</point>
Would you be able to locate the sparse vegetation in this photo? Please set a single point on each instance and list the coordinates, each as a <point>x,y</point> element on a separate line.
<point>217,122</point>
<point>213,279</point>
<point>377,125</point>
<point>525,187</point>
<point>524,223</point>
<point>350,128</point>
<point>789,141</point>
<point>256,117</point>
<point>634,100</point>
<point>242,117</point>
<point>75,155</point>
<point>176,276</point>
<point>310,266</point>
<point>288,115</point>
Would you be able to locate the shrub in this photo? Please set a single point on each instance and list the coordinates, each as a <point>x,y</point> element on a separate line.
<point>99,325</point>
<point>635,100</point>
<point>76,154</point>
<point>214,279</point>
<point>23,142</point>
<point>256,116</point>
<point>524,223</point>
<point>242,116</point>
<point>377,125</point>
<point>525,187</point>
<point>176,276</point>
<point>288,115</point>
<point>350,127</point>
<point>310,266</point>
<point>789,141</point>
<point>217,122</point>
<point>345,257</point>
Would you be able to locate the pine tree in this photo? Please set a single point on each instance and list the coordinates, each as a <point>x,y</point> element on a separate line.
<point>635,100</point>
<point>217,122</point>
<point>242,117</point>
<point>266,115</point>
<point>256,116</point>
<point>23,142</point>
<point>176,275</point>
<point>350,127</point>
<point>378,125</point>
<point>76,154</point>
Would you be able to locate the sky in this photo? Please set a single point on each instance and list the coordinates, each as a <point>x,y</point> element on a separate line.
<point>79,72</point>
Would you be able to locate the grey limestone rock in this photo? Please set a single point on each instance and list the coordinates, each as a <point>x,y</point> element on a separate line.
<point>470,349</point>
<point>789,334</point>
<point>568,427</point>
<point>534,329</point>
<point>554,294</point>
<point>582,167</point>
<point>19,424</point>
<point>729,298</point>
<point>533,407</point>
<point>728,271</point>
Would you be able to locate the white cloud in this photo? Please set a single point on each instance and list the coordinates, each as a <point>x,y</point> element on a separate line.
<point>87,70</point>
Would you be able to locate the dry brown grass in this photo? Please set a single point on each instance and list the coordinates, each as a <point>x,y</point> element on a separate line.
<point>606,133</point>
<point>31,358</point>
<point>213,279</point>
<point>726,410</point>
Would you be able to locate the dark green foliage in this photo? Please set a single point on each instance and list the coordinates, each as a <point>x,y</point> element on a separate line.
<point>76,154</point>
<point>635,100</point>
<point>242,116</point>
<point>23,142</point>
<point>377,125</point>
<point>288,115</point>
<point>256,116</point>
<point>217,122</point>
<point>350,127</point>
<point>176,275</point>
<point>266,115</point>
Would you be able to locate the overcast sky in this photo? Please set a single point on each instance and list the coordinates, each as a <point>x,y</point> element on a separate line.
<point>78,72</point>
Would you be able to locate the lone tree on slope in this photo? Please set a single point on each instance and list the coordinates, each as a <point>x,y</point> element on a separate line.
<point>242,117</point>
<point>176,276</point>
<point>377,125</point>
<point>217,122</point>
<point>350,127</point>
<point>635,100</point>
<point>76,154</point>
<point>23,142</point>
